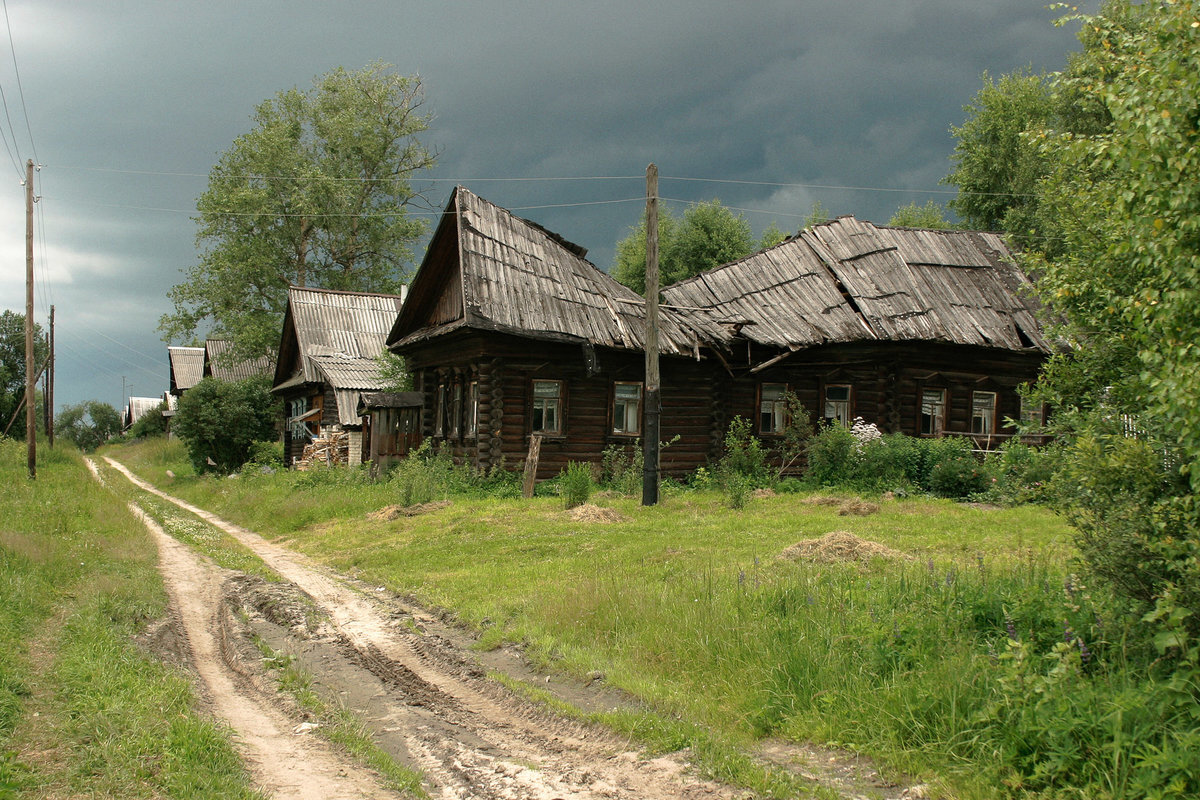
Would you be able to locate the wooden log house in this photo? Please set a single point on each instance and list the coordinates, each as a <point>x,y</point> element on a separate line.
<point>327,358</point>
<point>509,331</point>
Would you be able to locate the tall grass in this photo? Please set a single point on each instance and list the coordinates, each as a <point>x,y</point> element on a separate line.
<point>980,662</point>
<point>83,710</point>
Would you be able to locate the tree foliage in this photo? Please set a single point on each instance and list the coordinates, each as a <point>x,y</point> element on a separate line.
<point>930,215</point>
<point>997,162</point>
<point>708,235</point>
<point>88,425</point>
<point>315,194</point>
<point>12,366</point>
<point>219,421</point>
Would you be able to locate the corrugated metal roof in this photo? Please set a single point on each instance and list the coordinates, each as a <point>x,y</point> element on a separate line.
<point>141,406</point>
<point>219,364</point>
<point>519,278</point>
<point>849,280</point>
<point>346,326</point>
<point>187,367</point>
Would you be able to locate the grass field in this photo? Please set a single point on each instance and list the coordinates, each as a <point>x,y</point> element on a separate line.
<point>689,607</point>
<point>84,711</point>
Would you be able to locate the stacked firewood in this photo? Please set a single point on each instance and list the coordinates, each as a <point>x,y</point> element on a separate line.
<point>330,449</point>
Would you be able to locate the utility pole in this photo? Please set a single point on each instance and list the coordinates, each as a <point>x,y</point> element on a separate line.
<point>30,427</point>
<point>652,400</point>
<point>50,386</point>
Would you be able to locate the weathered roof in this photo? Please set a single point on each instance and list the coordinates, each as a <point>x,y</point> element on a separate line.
<point>187,367</point>
<point>371,400</point>
<point>336,337</point>
<point>141,406</point>
<point>221,366</point>
<point>850,280</point>
<point>489,269</point>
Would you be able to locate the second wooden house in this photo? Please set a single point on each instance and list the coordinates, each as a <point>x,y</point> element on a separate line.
<point>327,358</point>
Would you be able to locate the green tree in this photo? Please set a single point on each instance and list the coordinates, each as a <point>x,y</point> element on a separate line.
<point>219,421</point>
<point>88,425</point>
<point>930,215</point>
<point>708,235</point>
<point>817,215</point>
<point>316,194</point>
<point>12,367</point>
<point>772,236</point>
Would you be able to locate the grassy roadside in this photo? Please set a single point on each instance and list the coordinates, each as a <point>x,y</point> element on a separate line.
<point>83,710</point>
<point>687,606</point>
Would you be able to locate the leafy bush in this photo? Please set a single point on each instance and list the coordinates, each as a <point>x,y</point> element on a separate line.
<point>575,483</point>
<point>266,454</point>
<point>744,456</point>
<point>218,421</point>
<point>621,468</point>
<point>152,423</point>
<point>955,472</point>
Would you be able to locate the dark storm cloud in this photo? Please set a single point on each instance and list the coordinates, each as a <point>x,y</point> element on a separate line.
<point>131,103</point>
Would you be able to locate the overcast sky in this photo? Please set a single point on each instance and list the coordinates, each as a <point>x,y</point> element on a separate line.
<point>769,106</point>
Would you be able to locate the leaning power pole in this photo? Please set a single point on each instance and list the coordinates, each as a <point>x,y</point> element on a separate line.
<point>652,401</point>
<point>50,386</point>
<point>30,427</point>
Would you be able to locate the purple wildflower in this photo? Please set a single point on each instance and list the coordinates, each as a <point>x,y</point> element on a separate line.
<point>1010,627</point>
<point>1085,655</point>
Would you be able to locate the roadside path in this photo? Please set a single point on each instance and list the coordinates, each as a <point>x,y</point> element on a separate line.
<point>471,737</point>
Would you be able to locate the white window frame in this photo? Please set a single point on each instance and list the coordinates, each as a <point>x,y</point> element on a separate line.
<point>472,427</point>
<point>1032,411</point>
<point>933,410</point>
<point>550,407</point>
<point>439,410</point>
<point>626,410</point>
<point>838,408</point>
<point>983,415</point>
<point>772,408</point>
<point>456,409</point>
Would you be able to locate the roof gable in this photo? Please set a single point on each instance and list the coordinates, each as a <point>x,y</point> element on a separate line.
<point>187,367</point>
<point>489,269</point>
<point>331,336</point>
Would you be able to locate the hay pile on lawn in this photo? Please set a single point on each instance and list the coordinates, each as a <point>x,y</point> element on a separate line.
<point>857,508</point>
<point>839,547</point>
<point>389,513</point>
<point>590,513</point>
<point>822,500</point>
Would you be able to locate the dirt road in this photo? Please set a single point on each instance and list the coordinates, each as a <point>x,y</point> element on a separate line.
<point>431,705</point>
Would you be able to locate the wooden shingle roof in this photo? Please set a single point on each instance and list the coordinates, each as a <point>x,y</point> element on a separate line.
<point>219,364</point>
<point>187,367</point>
<point>849,280</point>
<point>489,269</point>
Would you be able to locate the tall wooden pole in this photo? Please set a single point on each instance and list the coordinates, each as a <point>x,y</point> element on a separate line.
<point>30,427</point>
<point>652,400</point>
<point>50,385</point>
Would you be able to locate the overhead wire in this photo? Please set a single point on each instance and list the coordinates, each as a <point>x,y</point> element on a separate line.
<point>20,90</point>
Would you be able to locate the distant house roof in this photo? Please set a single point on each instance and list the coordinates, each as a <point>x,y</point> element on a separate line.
<point>488,269</point>
<point>849,280</point>
<point>139,407</point>
<point>187,367</point>
<point>334,338</point>
<point>219,363</point>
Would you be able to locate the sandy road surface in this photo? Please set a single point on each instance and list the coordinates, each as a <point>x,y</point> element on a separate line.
<point>431,703</point>
<point>282,763</point>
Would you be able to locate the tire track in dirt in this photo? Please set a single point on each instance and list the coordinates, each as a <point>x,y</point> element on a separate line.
<point>283,764</point>
<point>470,736</point>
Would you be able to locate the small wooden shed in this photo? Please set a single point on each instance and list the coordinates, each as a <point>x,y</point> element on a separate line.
<point>393,427</point>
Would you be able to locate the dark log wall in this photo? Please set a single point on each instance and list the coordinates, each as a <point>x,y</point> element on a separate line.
<point>699,398</point>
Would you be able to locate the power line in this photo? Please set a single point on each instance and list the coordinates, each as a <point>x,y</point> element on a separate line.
<point>20,90</point>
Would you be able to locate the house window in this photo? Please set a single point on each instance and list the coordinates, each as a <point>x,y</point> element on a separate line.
<point>296,409</point>
<point>771,408</point>
<point>473,408</point>
<point>837,404</point>
<point>1032,413</point>
<point>983,413</point>
<point>547,406</point>
<point>456,408</point>
<point>439,410</point>
<point>627,408</point>
<point>933,412</point>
